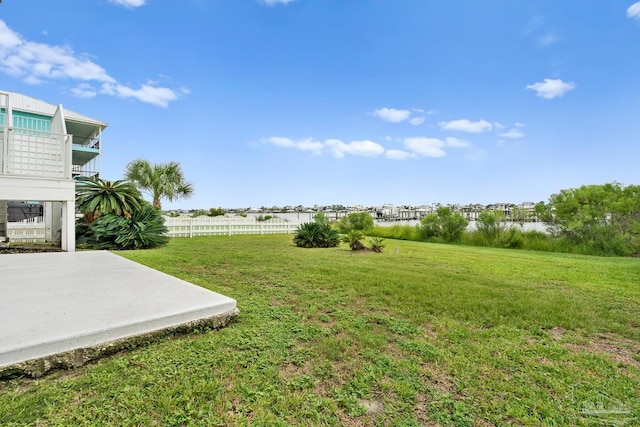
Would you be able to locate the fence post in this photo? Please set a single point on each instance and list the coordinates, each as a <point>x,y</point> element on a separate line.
<point>229,226</point>
<point>190,228</point>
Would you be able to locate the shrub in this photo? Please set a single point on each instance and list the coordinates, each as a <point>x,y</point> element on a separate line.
<point>512,238</point>
<point>216,212</point>
<point>605,218</point>
<point>144,229</point>
<point>491,224</point>
<point>398,232</point>
<point>376,244</point>
<point>315,235</point>
<point>321,218</point>
<point>362,221</point>
<point>443,225</point>
<point>353,239</point>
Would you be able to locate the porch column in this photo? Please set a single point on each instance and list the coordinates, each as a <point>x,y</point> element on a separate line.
<point>68,232</point>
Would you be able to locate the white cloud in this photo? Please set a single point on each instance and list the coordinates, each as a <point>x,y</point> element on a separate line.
<point>308,144</point>
<point>413,147</point>
<point>427,147</point>
<point>512,133</point>
<point>634,11</point>
<point>84,90</point>
<point>37,63</point>
<point>551,88</point>
<point>129,3</point>
<point>8,38</point>
<point>392,115</point>
<point>520,124</point>
<point>338,148</point>
<point>278,141</point>
<point>415,116</point>
<point>275,2</point>
<point>364,148</point>
<point>466,125</point>
<point>398,155</point>
<point>160,96</point>
<point>456,143</point>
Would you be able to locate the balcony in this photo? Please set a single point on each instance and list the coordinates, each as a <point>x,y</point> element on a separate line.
<point>28,153</point>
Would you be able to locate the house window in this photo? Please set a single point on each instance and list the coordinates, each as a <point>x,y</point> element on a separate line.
<point>31,124</point>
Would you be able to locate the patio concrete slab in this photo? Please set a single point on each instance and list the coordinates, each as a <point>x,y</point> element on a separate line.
<point>62,309</point>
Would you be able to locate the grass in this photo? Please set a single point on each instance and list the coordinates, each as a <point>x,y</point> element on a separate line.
<point>422,334</point>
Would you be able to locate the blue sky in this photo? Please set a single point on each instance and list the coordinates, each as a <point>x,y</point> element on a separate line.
<point>267,102</point>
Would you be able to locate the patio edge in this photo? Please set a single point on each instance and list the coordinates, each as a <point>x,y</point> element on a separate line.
<point>78,357</point>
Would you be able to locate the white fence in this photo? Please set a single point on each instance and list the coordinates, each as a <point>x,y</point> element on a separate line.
<point>30,230</point>
<point>223,226</point>
<point>33,230</point>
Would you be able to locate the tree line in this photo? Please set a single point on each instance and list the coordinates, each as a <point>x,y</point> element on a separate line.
<point>592,219</point>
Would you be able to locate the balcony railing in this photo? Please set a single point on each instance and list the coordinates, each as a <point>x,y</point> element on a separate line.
<point>35,154</point>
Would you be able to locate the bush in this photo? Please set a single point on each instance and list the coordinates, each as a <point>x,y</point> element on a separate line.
<point>398,232</point>
<point>537,241</point>
<point>376,244</point>
<point>443,225</point>
<point>491,225</point>
<point>315,235</point>
<point>362,221</point>
<point>511,238</point>
<point>143,230</point>
<point>603,219</point>
<point>216,212</point>
<point>353,239</point>
<point>321,218</point>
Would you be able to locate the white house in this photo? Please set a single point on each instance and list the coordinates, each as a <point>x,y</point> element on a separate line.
<point>43,147</point>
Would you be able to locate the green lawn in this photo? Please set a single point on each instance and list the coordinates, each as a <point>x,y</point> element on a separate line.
<point>421,334</point>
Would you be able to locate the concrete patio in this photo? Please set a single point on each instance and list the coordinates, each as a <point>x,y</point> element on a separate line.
<point>60,310</point>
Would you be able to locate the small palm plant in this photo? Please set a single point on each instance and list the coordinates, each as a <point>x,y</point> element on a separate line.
<point>353,239</point>
<point>96,197</point>
<point>144,229</point>
<point>315,235</point>
<point>376,244</point>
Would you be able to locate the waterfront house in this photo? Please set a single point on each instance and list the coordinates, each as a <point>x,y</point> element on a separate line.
<point>43,149</point>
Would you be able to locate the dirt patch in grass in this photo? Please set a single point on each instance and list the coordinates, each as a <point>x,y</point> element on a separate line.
<point>556,333</point>
<point>373,407</point>
<point>438,379</point>
<point>618,349</point>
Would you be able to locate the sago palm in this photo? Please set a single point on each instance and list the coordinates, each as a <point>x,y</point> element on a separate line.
<point>96,196</point>
<point>314,235</point>
<point>160,181</point>
<point>353,239</point>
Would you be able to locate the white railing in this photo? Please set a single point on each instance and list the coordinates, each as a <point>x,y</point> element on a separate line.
<point>35,154</point>
<point>223,226</point>
<point>31,230</point>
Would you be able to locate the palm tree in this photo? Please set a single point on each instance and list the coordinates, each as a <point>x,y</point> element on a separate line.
<point>353,239</point>
<point>161,181</point>
<point>96,196</point>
